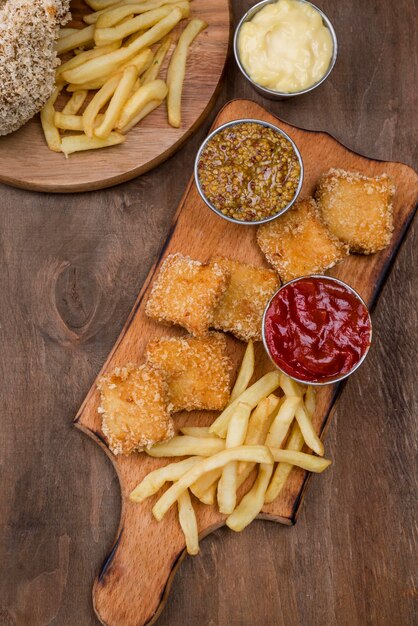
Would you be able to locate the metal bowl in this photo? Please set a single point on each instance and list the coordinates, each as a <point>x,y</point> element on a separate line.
<point>227,217</point>
<point>337,378</point>
<point>270,93</point>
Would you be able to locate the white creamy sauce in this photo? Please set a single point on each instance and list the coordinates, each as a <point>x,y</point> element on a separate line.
<point>286,46</point>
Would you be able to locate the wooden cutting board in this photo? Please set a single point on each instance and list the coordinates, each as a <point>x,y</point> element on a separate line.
<point>26,162</point>
<point>136,577</point>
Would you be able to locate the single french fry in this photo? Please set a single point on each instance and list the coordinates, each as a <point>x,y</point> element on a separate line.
<point>205,483</point>
<point>109,63</point>
<point>290,387</point>
<point>99,5</point>
<point>183,445</point>
<point>252,503</point>
<point>255,454</point>
<point>113,15</point>
<point>307,462</point>
<point>78,143</point>
<point>208,495</point>
<point>310,400</point>
<point>103,36</point>
<point>245,373</point>
<point>263,387</point>
<point>51,133</point>
<point>75,103</point>
<point>120,96</point>
<point>177,70</point>
<point>156,90</point>
<point>155,66</point>
<point>64,32</point>
<point>99,100</point>
<point>309,434</point>
<point>281,473</point>
<point>86,56</point>
<point>258,427</point>
<point>65,121</point>
<point>282,421</point>
<point>81,37</point>
<point>227,486</point>
<point>157,479</point>
<point>196,431</point>
<point>148,108</point>
<point>188,523</point>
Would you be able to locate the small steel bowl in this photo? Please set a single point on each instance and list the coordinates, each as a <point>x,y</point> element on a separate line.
<point>202,193</point>
<point>271,93</point>
<point>337,379</point>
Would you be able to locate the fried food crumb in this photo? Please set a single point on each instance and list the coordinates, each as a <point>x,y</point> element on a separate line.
<point>198,370</point>
<point>357,208</point>
<point>240,309</point>
<point>299,243</point>
<point>134,408</point>
<point>186,293</point>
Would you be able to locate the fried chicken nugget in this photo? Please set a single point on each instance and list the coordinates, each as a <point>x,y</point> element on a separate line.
<point>299,243</point>
<point>134,408</point>
<point>186,293</point>
<point>240,309</point>
<point>198,370</point>
<point>357,208</point>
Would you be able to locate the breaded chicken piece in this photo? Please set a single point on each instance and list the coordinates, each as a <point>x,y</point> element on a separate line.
<point>186,293</point>
<point>134,408</point>
<point>299,243</point>
<point>198,370</point>
<point>357,208</point>
<point>240,310</point>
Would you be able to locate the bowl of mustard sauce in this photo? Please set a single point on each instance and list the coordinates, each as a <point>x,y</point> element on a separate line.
<point>285,48</point>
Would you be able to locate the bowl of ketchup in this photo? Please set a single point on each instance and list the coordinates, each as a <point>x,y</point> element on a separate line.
<point>317,330</point>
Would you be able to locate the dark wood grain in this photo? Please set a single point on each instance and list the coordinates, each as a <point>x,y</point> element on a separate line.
<point>71,269</point>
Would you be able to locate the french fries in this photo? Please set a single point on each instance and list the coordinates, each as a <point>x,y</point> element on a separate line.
<point>81,37</point>
<point>120,96</point>
<point>52,136</point>
<point>155,66</point>
<point>156,90</point>
<point>255,454</point>
<point>282,471</point>
<point>188,523</point>
<point>251,396</point>
<point>118,34</point>
<point>237,429</point>
<point>113,15</point>
<point>157,479</point>
<point>177,70</point>
<point>103,36</point>
<point>180,446</point>
<point>98,102</point>
<point>79,143</point>
<point>75,103</point>
<point>256,427</point>
<point>245,373</point>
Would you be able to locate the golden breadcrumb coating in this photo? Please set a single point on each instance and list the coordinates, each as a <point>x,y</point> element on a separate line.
<point>357,208</point>
<point>299,243</point>
<point>240,310</point>
<point>186,293</point>
<point>198,370</point>
<point>134,408</point>
<point>28,31</point>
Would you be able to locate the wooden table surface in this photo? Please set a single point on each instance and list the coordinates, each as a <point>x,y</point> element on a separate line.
<point>71,267</point>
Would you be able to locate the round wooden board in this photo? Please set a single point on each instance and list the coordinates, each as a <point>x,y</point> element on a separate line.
<point>26,162</point>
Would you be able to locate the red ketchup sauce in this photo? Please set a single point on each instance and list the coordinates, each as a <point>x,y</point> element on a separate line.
<point>316,329</point>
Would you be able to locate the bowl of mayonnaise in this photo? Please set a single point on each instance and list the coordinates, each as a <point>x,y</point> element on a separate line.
<point>285,48</point>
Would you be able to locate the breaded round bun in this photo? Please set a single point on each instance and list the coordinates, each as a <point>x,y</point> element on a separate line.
<point>28,31</point>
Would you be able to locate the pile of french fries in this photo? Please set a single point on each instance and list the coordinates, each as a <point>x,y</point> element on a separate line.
<point>113,58</point>
<point>258,430</point>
